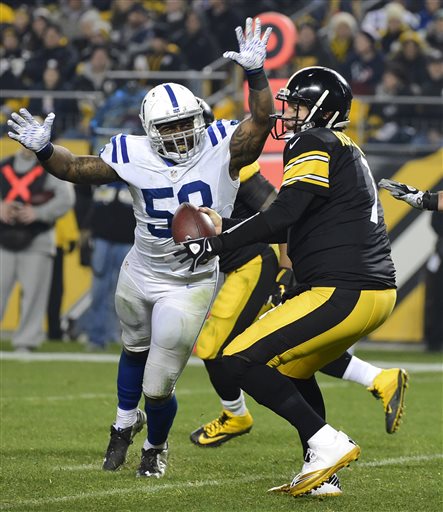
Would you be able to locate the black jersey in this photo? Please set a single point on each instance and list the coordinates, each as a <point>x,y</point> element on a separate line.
<point>328,209</point>
<point>254,194</point>
<point>341,238</point>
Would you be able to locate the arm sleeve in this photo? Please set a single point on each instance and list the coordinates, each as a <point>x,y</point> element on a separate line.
<point>256,192</point>
<point>267,226</point>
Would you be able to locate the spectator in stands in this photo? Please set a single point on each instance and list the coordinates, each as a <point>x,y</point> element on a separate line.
<point>364,67</point>
<point>427,13</point>
<point>91,73</point>
<point>66,238</point>
<point>396,24</point>
<point>12,64</point>
<point>41,19</point>
<point>91,76</point>
<point>135,34</point>
<point>222,19</point>
<point>376,20</point>
<point>431,116</point>
<point>95,32</point>
<point>30,202</point>
<point>84,30</point>
<point>310,49</point>
<point>119,14</point>
<point>69,15</point>
<point>198,47</point>
<point>411,57</point>
<point>174,18</point>
<point>55,48</point>
<point>355,8</point>
<point>392,122</point>
<point>434,32</point>
<point>53,81</point>
<point>22,26</point>
<point>341,30</point>
<point>161,55</point>
<point>111,223</point>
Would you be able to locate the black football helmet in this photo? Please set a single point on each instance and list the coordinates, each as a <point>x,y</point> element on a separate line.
<point>208,114</point>
<point>325,93</point>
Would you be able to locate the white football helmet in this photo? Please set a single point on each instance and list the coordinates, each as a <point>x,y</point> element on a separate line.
<point>173,121</point>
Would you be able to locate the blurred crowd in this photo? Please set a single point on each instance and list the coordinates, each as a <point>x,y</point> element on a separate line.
<point>384,49</point>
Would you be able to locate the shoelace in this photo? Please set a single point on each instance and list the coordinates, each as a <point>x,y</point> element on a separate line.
<point>150,459</point>
<point>310,456</point>
<point>215,425</point>
<point>116,437</point>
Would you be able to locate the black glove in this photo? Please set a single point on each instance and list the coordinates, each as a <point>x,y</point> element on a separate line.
<point>284,281</point>
<point>197,252</point>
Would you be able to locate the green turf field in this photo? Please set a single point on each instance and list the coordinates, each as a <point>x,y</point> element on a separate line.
<point>55,419</point>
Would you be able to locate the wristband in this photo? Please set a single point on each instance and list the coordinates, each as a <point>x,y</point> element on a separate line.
<point>45,153</point>
<point>216,244</point>
<point>257,79</point>
<point>430,201</point>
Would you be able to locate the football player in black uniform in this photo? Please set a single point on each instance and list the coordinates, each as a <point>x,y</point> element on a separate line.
<point>254,282</point>
<point>328,212</point>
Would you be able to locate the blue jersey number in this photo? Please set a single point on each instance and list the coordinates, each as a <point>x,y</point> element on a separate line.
<point>152,195</point>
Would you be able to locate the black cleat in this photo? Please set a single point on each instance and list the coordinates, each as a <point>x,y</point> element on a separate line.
<point>119,443</point>
<point>153,462</point>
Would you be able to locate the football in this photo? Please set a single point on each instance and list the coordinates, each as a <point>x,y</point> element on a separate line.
<point>190,222</point>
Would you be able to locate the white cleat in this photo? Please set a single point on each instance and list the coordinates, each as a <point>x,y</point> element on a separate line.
<point>321,463</point>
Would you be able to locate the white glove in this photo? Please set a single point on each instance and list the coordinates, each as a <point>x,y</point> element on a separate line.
<point>410,195</point>
<point>252,52</point>
<point>29,132</point>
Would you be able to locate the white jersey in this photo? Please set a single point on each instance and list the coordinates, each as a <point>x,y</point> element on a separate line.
<point>158,186</point>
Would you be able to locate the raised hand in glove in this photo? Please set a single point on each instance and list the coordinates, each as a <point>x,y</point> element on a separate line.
<point>195,252</point>
<point>410,195</point>
<point>29,132</point>
<point>283,282</point>
<point>252,47</point>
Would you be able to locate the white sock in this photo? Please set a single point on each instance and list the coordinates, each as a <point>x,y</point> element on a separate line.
<point>125,419</point>
<point>361,372</point>
<point>326,435</point>
<point>236,407</point>
<point>147,445</point>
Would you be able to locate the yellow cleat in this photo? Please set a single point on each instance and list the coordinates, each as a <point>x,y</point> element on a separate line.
<point>390,386</point>
<point>222,429</point>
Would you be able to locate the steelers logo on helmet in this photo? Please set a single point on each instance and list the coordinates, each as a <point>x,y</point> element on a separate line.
<point>173,121</point>
<point>326,95</point>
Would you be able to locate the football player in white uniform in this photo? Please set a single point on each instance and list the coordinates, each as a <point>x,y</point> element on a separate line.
<point>161,311</point>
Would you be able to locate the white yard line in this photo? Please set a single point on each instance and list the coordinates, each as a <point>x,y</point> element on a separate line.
<point>370,463</point>
<point>153,487</point>
<point>193,361</point>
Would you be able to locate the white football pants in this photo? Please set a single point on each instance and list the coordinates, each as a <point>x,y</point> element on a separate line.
<point>163,314</point>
